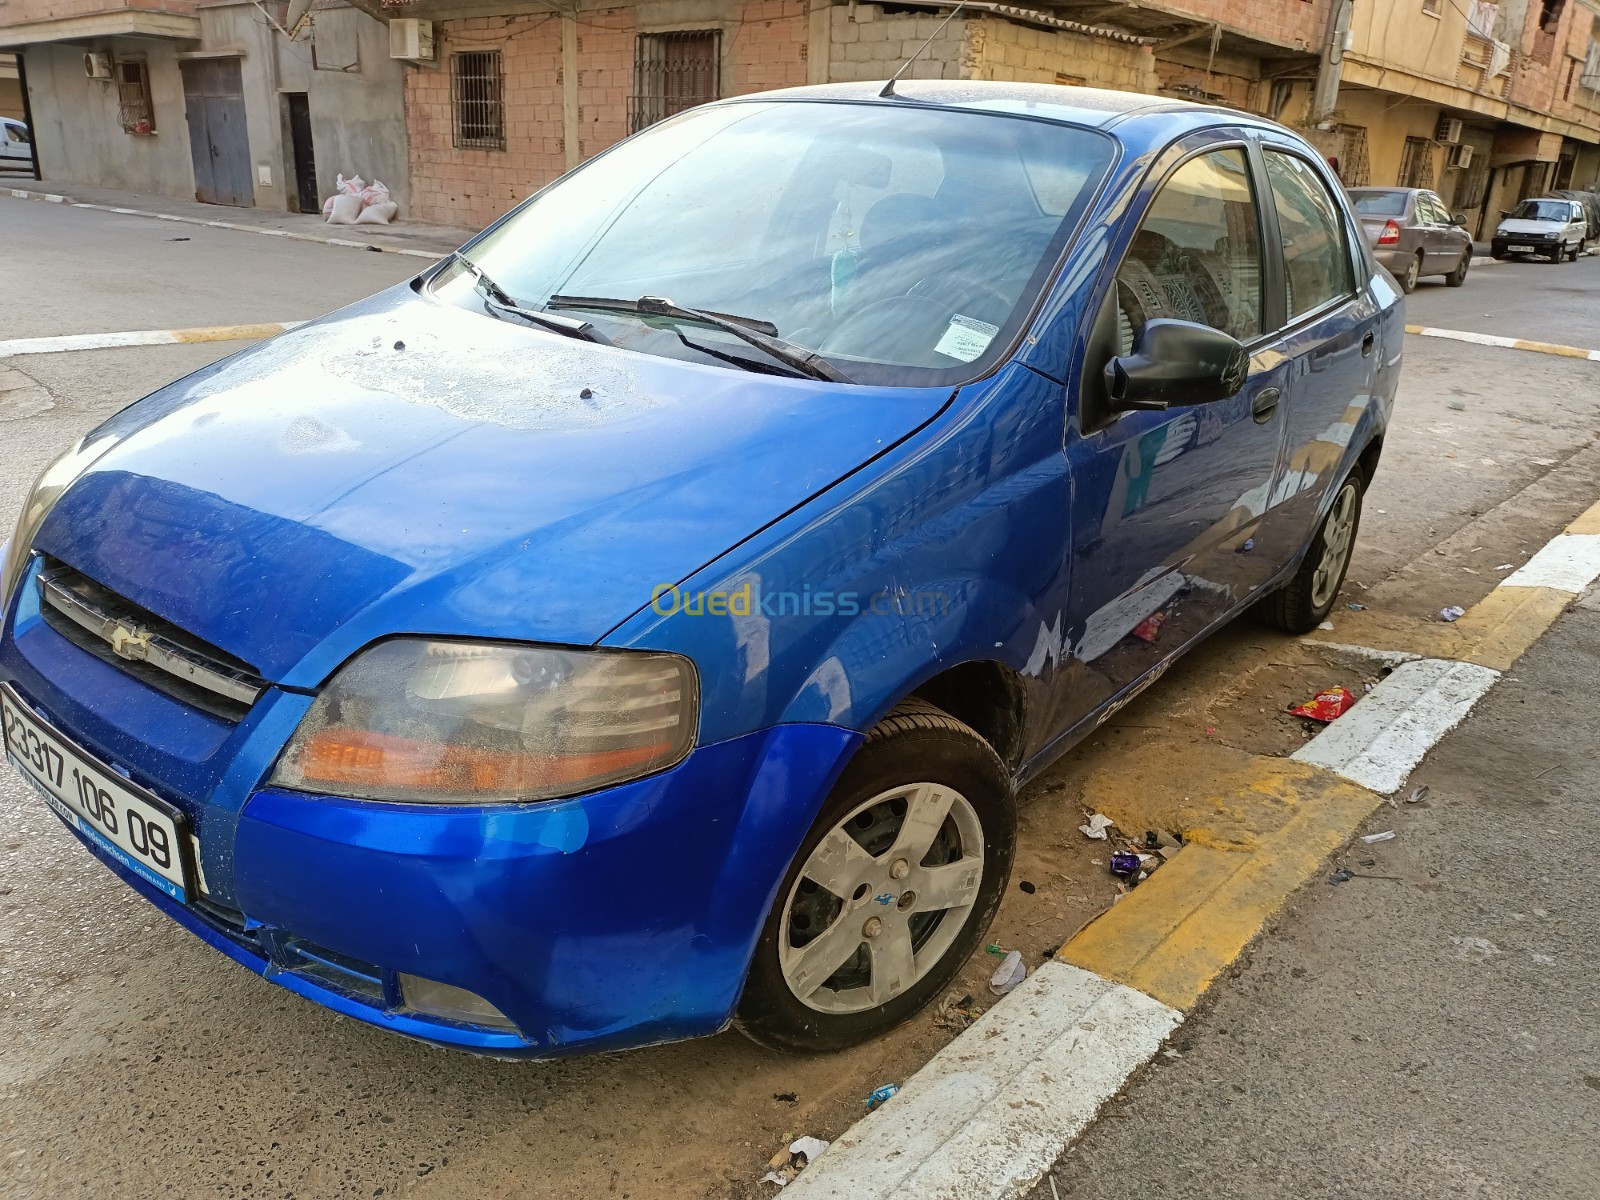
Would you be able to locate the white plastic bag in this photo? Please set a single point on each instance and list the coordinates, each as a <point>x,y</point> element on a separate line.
<point>378,214</point>
<point>346,209</point>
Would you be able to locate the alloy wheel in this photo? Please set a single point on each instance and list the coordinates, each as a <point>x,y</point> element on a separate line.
<point>881,898</point>
<point>1338,533</point>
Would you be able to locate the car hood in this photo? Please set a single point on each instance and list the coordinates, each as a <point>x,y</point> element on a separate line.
<point>1524,225</point>
<point>408,466</point>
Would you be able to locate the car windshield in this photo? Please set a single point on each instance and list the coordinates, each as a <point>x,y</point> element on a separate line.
<point>902,244</point>
<point>1379,204</point>
<point>1543,210</point>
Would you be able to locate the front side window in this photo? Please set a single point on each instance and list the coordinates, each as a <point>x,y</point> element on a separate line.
<point>19,134</point>
<point>1197,255</point>
<point>1315,255</point>
<point>904,245</point>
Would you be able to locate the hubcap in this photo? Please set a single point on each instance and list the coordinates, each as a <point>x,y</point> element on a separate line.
<point>1414,270</point>
<point>1338,532</point>
<point>882,898</point>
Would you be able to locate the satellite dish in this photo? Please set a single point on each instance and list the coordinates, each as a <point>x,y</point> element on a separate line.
<point>299,14</point>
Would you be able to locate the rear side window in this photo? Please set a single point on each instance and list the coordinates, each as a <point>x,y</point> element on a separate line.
<point>1315,255</point>
<point>1197,255</point>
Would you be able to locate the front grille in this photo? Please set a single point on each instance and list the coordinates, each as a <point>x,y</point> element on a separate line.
<point>152,650</point>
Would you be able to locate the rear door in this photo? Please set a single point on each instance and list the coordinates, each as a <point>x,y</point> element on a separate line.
<point>1330,340</point>
<point>1438,236</point>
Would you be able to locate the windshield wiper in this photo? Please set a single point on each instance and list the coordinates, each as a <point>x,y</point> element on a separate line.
<point>497,298</point>
<point>744,328</point>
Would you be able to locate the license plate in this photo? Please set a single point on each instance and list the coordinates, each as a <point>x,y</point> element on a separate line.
<point>1520,249</point>
<point>143,833</point>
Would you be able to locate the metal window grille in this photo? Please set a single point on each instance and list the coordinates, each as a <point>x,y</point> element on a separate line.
<point>1476,184</point>
<point>672,72</point>
<point>477,99</point>
<point>1416,163</point>
<point>134,109</point>
<point>1355,168</point>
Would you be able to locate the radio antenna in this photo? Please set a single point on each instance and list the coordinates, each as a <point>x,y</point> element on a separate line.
<point>888,88</point>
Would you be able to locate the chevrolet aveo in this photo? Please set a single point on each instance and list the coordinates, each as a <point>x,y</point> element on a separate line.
<point>642,620</point>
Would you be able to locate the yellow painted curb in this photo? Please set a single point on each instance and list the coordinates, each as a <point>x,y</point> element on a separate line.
<point>1499,628</point>
<point>1551,348</point>
<point>1182,927</point>
<point>228,333</point>
<point>1587,522</point>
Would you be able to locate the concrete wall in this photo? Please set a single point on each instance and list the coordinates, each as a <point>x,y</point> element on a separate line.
<point>10,88</point>
<point>78,132</point>
<point>1024,54</point>
<point>357,117</point>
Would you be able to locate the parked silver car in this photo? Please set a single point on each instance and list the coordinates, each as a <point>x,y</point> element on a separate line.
<point>1413,234</point>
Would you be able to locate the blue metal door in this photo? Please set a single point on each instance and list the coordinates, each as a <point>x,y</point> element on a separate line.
<point>213,93</point>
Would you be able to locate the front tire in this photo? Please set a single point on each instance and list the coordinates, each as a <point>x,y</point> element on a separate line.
<point>891,891</point>
<point>1303,603</point>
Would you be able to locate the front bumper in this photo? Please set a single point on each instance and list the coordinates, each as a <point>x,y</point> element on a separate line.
<point>1541,245</point>
<point>617,919</point>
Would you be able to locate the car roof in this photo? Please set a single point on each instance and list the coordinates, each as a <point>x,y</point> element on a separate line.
<point>1097,108</point>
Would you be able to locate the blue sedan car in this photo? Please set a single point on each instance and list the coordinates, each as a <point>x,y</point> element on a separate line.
<point>642,620</point>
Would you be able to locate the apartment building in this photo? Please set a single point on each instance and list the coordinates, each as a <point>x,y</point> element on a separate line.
<point>466,106</point>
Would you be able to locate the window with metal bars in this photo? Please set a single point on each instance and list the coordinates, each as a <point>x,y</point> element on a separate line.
<point>672,72</point>
<point>1354,167</point>
<point>1416,163</point>
<point>134,109</point>
<point>477,100</point>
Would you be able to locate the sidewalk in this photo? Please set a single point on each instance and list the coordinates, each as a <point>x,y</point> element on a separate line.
<point>1424,1028</point>
<point>404,237</point>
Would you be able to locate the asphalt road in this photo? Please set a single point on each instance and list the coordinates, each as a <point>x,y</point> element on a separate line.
<point>1428,1028</point>
<point>132,1057</point>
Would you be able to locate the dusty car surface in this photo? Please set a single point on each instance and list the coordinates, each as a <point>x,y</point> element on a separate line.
<point>1412,233</point>
<point>641,621</point>
<point>1551,227</point>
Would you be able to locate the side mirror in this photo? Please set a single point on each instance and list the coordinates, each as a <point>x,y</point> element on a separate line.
<point>1175,364</point>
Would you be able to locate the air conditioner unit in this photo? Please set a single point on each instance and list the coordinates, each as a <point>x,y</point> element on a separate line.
<point>411,38</point>
<point>1449,131</point>
<point>97,64</point>
<point>1460,157</point>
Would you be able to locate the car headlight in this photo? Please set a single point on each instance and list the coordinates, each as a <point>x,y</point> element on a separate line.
<point>47,489</point>
<point>472,722</point>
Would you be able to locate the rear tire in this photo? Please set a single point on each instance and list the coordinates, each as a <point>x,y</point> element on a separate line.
<point>1303,603</point>
<point>1459,276</point>
<point>1408,281</point>
<point>860,893</point>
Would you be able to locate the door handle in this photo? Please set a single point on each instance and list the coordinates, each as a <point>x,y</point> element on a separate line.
<point>1366,344</point>
<point>1265,404</point>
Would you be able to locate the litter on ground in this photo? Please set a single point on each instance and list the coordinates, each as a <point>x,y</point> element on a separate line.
<point>1096,828</point>
<point>786,1164</point>
<point>879,1095</point>
<point>1386,835</point>
<point>1327,705</point>
<point>1008,974</point>
<point>1454,613</point>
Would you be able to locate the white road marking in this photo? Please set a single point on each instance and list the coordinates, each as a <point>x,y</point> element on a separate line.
<point>1504,343</point>
<point>1379,741</point>
<point>63,343</point>
<point>1568,563</point>
<point>994,1109</point>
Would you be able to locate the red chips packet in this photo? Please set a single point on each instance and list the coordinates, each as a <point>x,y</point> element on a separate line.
<point>1326,706</point>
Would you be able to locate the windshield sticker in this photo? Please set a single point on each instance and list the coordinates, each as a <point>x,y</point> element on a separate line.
<point>966,338</point>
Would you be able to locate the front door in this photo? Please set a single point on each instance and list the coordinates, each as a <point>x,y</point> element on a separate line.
<point>213,94</point>
<point>305,160</point>
<point>1168,507</point>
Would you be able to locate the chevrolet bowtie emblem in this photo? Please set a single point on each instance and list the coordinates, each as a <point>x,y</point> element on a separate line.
<point>130,642</point>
